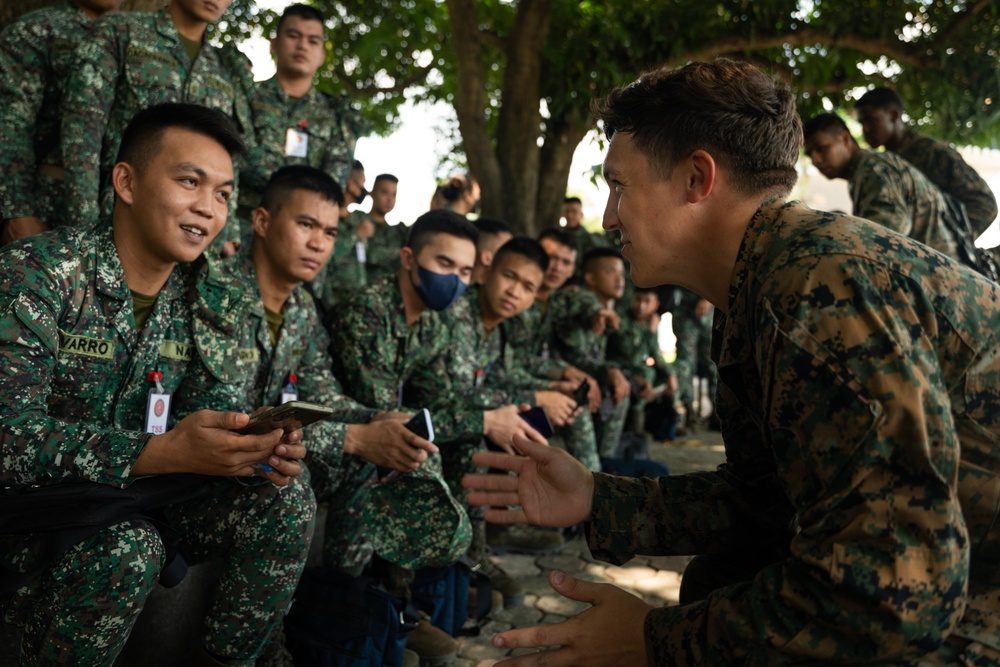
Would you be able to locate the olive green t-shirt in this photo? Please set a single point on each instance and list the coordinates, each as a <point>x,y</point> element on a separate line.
<point>191,46</point>
<point>274,322</point>
<point>142,306</point>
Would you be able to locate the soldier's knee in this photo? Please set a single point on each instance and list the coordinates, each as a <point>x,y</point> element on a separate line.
<point>131,557</point>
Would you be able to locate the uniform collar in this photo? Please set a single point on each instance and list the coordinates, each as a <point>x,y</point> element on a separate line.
<point>275,86</point>
<point>110,278</point>
<point>165,26</point>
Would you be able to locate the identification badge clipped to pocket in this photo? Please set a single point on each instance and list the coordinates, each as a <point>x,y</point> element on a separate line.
<point>296,142</point>
<point>290,393</point>
<point>361,252</point>
<point>157,405</point>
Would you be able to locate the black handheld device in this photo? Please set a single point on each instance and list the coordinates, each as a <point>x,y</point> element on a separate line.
<point>421,425</point>
<point>539,420</point>
<point>580,394</point>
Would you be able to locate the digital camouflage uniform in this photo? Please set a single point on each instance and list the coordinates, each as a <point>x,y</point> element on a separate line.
<point>467,379</point>
<point>35,62</point>
<point>859,377</point>
<point>886,189</point>
<point>332,125</point>
<point>529,339</point>
<point>694,348</point>
<point>375,353</point>
<point>131,61</point>
<point>303,350</point>
<point>946,169</point>
<point>575,342</point>
<point>586,240</point>
<point>632,346</point>
<point>382,250</point>
<point>73,409</point>
<point>344,275</point>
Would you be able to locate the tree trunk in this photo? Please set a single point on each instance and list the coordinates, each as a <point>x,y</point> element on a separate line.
<point>470,101</point>
<point>563,135</point>
<point>520,118</point>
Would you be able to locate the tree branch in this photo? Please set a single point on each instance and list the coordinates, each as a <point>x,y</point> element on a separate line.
<point>416,76</point>
<point>944,37</point>
<point>898,51</point>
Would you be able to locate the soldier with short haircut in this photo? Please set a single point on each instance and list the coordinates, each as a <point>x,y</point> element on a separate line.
<point>884,187</point>
<point>531,335</point>
<point>100,329</point>
<point>36,54</point>
<point>493,233</point>
<point>880,112</point>
<point>133,60</point>
<point>581,340</point>
<point>854,520</point>
<point>295,123</point>
<point>382,240</point>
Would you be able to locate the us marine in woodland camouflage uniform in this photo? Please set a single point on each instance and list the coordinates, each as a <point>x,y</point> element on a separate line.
<point>35,61</point>
<point>131,61</point>
<point>884,188</point>
<point>94,318</point>
<point>880,112</point>
<point>854,519</point>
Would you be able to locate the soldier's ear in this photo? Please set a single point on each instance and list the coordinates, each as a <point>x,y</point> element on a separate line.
<point>406,258</point>
<point>123,179</point>
<point>261,221</point>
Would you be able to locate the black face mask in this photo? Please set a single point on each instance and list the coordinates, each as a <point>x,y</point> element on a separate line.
<point>475,207</point>
<point>362,194</point>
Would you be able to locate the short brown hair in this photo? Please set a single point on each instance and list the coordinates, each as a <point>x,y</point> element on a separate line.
<point>743,117</point>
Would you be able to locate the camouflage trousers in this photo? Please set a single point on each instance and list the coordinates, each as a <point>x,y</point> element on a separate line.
<point>80,611</point>
<point>609,430</point>
<point>581,440</point>
<point>694,348</point>
<point>345,489</point>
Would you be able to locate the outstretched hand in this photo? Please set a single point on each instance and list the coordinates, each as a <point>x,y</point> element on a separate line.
<point>608,634</point>
<point>551,488</point>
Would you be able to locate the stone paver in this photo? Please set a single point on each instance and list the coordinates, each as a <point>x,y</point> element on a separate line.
<point>656,579</point>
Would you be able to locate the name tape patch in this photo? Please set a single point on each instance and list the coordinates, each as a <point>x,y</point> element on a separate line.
<point>90,347</point>
<point>172,349</point>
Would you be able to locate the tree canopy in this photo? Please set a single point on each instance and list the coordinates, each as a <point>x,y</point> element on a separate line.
<point>521,74</point>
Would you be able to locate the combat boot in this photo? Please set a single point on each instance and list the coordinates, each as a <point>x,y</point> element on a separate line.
<point>523,539</point>
<point>479,554</point>
<point>435,647</point>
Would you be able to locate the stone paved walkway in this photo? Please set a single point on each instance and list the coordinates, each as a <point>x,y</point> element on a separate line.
<point>655,580</point>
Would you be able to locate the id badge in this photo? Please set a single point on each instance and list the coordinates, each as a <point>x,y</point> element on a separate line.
<point>157,405</point>
<point>296,143</point>
<point>361,251</point>
<point>290,392</point>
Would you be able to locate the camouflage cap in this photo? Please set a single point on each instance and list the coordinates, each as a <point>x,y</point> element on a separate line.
<point>414,521</point>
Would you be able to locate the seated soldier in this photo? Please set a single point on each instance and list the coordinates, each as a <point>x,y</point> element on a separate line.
<point>884,187</point>
<point>382,241</point>
<point>98,330</point>
<point>284,354</point>
<point>493,233</point>
<point>582,340</point>
<point>636,348</point>
<point>383,336</point>
<point>476,373</point>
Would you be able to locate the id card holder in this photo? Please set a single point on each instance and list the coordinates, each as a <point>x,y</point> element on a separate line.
<point>290,393</point>
<point>361,252</point>
<point>296,142</point>
<point>157,406</point>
